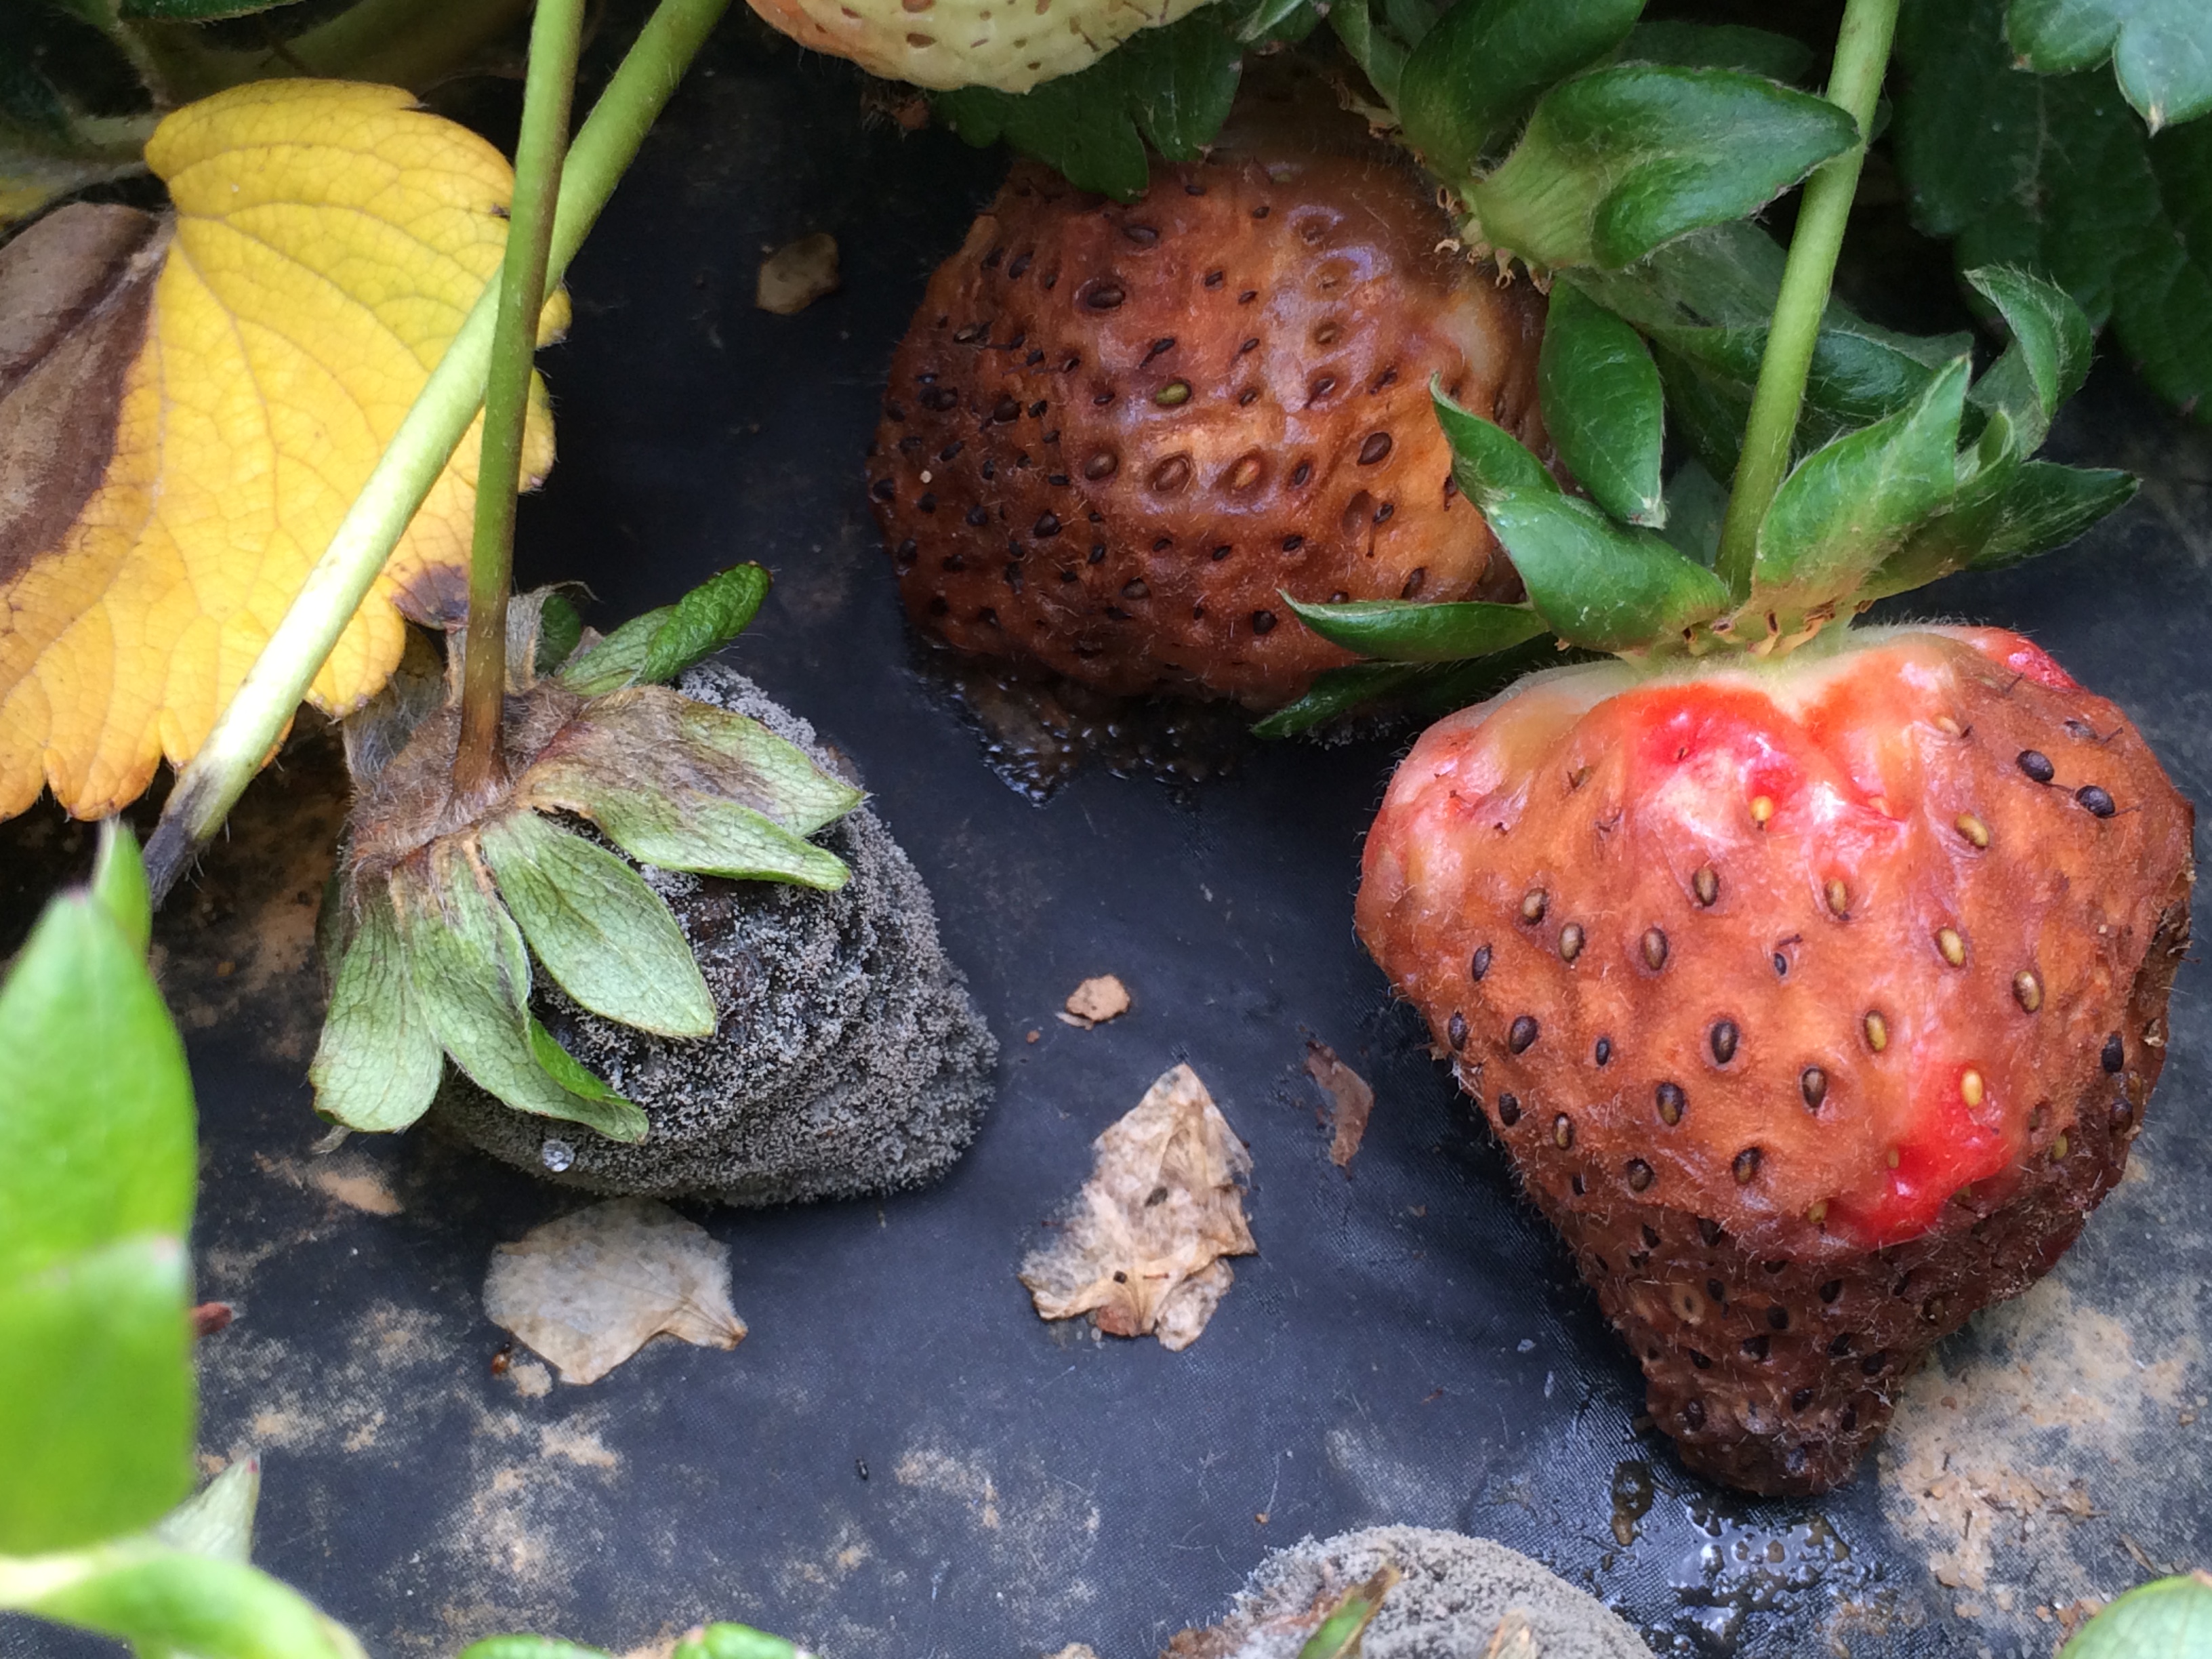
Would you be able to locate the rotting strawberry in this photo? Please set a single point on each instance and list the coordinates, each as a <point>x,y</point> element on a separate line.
<point>1115,436</point>
<point>1817,1002</point>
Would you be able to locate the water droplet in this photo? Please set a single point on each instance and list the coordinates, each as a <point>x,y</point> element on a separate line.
<point>556,1155</point>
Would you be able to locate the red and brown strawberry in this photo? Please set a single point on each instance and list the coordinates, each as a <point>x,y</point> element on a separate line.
<point>1816,1000</point>
<point>1116,435</point>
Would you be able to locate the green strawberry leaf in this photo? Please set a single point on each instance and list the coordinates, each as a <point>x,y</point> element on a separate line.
<point>1399,631</point>
<point>656,646</point>
<point>1602,405</point>
<point>1617,162</point>
<point>168,1601</point>
<point>2161,50</point>
<point>2165,1619</point>
<point>118,882</point>
<point>609,940</point>
<point>2056,175</point>
<point>377,1064</point>
<point>577,1078</point>
<point>1704,302</point>
<point>96,1390</point>
<point>1601,585</point>
<point>560,630</point>
<point>706,834</point>
<point>217,1521</point>
<point>685,786</point>
<point>1338,692</point>
<point>2046,361</point>
<point>727,1641</point>
<point>1719,45</point>
<point>97,1175</point>
<point>1278,20</point>
<point>2005,515</point>
<point>1696,506</point>
<point>1171,85</point>
<point>471,974</point>
<point>1485,458</point>
<point>194,11</point>
<point>82,1025</point>
<point>1482,67</point>
<point>1851,504</point>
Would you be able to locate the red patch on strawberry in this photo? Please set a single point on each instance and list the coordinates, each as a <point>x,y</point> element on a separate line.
<point>1116,434</point>
<point>1816,1001</point>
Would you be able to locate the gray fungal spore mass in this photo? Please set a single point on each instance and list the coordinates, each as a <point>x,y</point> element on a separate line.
<point>1454,1595</point>
<point>849,1058</point>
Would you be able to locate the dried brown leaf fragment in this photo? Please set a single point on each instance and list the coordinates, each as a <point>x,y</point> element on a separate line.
<point>1097,1000</point>
<point>588,1290</point>
<point>1351,1101</point>
<point>1142,1249</point>
<point>798,274</point>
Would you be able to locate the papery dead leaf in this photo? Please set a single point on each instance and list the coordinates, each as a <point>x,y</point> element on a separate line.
<point>1350,1101</point>
<point>588,1290</point>
<point>797,274</point>
<point>1096,1001</point>
<point>328,240</point>
<point>1140,1251</point>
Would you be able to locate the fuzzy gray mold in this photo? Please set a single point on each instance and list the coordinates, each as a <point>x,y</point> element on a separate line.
<point>1454,1594</point>
<point>850,1059</point>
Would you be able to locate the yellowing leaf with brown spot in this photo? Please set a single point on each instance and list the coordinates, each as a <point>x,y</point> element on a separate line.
<point>328,241</point>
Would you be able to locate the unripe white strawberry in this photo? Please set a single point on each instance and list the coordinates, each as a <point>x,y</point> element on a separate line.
<point>1010,45</point>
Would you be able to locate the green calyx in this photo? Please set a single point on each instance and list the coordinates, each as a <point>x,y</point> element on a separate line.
<point>440,923</point>
<point>1939,479</point>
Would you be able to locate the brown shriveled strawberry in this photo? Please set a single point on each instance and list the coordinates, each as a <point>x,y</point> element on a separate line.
<point>1816,1001</point>
<point>1114,434</point>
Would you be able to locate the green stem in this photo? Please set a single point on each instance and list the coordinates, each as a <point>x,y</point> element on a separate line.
<point>479,763</point>
<point>1862,56</point>
<point>249,728</point>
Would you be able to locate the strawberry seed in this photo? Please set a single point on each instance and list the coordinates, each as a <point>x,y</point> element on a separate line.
<point>1655,949</point>
<point>1707,884</point>
<point>1877,1032</point>
<point>1724,1039</point>
<point>1951,946</point>
<point>2028,990</point>
<point>1640,1175</point>
<point>1534,902</point>
<point>1571,941</point>
<point>1746,1167</point>
<point>1813,1083</point>
<point>2037,765</point>
<point>1972,829</point>
<point>1671,1100</point>
<point>1521,1033</point>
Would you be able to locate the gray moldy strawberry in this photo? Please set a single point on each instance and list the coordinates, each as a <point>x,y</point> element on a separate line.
<point>1116,436</point>
<point>1817,1002</point>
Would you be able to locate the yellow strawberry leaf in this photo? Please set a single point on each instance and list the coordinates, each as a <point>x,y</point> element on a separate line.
<point>328,240</point>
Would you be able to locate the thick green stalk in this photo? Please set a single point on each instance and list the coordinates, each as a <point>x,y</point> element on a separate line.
<point>1862,56</point>
<point>479,763</point>
<point>248,731</point>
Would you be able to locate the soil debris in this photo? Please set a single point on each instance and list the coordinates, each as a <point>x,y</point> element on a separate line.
<point>1448,1597</point>
<point>1351,1101</point>
<point>2011,1450</point>
<point>1096,1001</point>
<point>588,1290</point>
<point>1142,1250</point>
<point>798,274</point>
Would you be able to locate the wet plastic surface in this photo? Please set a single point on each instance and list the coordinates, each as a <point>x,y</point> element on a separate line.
<point>901,1459</point>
